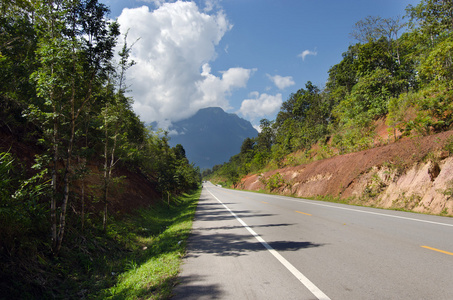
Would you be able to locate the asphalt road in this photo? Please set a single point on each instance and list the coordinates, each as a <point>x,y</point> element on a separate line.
<point>254,246</point>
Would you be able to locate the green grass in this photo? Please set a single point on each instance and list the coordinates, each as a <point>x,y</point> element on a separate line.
<point>138,257</point>
<point>156,241</point>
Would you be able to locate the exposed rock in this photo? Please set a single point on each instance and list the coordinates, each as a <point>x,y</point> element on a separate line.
<point>390,176</point>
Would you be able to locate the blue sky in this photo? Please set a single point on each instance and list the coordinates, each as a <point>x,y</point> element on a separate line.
<point>246,56</point>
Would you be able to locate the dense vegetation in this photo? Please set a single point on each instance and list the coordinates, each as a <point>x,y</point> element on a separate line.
<point>400,70</point>
<point>63,94</point>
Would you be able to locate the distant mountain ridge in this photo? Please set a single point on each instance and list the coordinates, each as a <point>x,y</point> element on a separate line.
<point>211,136</point>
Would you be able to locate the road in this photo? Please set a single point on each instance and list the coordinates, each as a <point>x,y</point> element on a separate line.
<point>255,246</point>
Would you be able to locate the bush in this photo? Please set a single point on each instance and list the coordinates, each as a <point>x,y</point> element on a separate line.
<point>274,182</point>
<point>22,215</point>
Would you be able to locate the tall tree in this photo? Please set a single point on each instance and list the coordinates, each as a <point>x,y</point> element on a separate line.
<point>114,120</point>
<point>75,47</point>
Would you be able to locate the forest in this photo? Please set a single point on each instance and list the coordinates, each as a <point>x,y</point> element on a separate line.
<point>63,102</point>
<point>399,70</point>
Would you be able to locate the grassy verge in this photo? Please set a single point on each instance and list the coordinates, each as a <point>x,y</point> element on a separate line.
<point>155,240</point>
<point>138,257</point>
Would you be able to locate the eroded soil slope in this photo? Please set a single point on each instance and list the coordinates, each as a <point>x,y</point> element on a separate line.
<point>414,174</point>
<point>130,191</point>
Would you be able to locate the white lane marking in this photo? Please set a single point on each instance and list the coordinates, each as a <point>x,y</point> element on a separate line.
<point>370,212</point>
<point>301,277</point>
<point>356,210</point>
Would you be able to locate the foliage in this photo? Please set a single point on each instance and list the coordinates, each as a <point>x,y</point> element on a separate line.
<point>274,182</point>
<point>22,215</point>
<point>424,112</point>
<point>449,145</point>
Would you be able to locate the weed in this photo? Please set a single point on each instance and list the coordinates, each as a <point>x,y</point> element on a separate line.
<point>375,187</point>
<point>406,203</point>
<point>274,182</point>
<point>448,146</point>
<point>449,190</point>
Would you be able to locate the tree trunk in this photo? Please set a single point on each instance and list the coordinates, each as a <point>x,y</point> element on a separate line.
<point>53,199</point>
<point>104,219</point>
<point>82,214</point>
<point>106,171</point>
<point>67,171</point>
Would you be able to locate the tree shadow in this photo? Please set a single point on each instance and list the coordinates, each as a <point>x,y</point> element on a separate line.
<point>240,226</point>
<point>216,212</point>
<point>221,241</point>
<point>194,287</point>
<point>225,241</point>
<point>231,244</point>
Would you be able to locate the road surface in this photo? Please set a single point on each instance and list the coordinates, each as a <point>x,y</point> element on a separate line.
<point>255,246</point>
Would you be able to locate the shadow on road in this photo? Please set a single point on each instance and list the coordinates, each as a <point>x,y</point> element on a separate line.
<point>216,212</point>
<point>225,244</point>
<point>232,240</point>
<point>217,233</point>
<point>240,226</point>
<point>195,287</point>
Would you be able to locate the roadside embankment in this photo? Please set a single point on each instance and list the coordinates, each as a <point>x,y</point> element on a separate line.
<point>414,174</point>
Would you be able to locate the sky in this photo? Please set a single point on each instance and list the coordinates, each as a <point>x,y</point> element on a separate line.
<point>245,56</point>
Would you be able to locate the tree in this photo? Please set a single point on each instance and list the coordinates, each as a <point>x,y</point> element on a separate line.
<point>247,146</point>
<point>115,116</point>
<point>265,138</point>
<point>75,46</point>
<point>431,20</point>
<point>180,152</point>
<point>368,29</point>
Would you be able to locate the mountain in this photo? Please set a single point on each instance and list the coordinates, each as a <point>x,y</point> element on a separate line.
<point>211,136</point>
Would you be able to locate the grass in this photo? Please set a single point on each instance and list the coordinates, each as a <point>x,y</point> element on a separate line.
<point>156,240</point>
<point>137,257</point>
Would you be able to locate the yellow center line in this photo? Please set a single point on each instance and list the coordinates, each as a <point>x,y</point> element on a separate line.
<point>303,213</point>
<point>438,250</point>
<point>263,202</point>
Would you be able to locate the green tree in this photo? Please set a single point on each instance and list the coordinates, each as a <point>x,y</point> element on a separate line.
<point>305,120</point>
<point>74,49</point>
<point>266,137</point>
<point>116,115</point>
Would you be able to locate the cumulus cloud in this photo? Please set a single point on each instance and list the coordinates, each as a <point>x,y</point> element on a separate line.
<point>282,82</point>
<point>172,78</point>
<point>305,53</point>
<point>257,127</point>
<point>261,105</point>
<point>211,5</point>
<point>212,90</point>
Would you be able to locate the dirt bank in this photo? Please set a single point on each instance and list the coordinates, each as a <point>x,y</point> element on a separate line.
<point>132,189</point>
<point>414,174</point>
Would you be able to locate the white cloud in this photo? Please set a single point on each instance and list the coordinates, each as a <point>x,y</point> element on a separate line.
<point>172,78</point>
<point>158,3</point>
<point>307,52</point>
<point>282,82</point>
<point>260,106</point>
<point>212,90</point>
<point>211,5</point>
<point>257,127</point>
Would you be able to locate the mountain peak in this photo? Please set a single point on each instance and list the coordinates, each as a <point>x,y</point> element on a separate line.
<point>211,136</point>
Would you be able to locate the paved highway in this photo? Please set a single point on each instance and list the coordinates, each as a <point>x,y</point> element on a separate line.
<point>254,246</point>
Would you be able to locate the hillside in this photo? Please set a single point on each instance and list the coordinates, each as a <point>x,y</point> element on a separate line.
<point>211,136</point>
<point>414,174</point>
<point>134,191</point>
